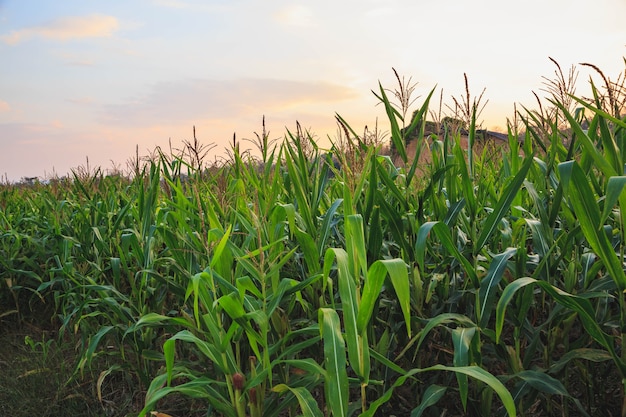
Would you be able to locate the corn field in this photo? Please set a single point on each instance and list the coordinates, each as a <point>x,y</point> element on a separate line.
<point>343,281</point>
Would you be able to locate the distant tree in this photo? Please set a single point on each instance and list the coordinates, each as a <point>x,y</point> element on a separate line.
<point>29,180</point>
<point>453,124</point>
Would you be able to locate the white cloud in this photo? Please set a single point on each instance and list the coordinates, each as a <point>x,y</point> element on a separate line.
<point>66,28</point>
<point>82,101</point>
<point>175,4</point>
<point>296,15</point>
<point>195,6</point>
<point>4,106</point>
<point>76,59</point>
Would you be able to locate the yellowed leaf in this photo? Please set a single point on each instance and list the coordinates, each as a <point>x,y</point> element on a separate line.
<point>157,414</point>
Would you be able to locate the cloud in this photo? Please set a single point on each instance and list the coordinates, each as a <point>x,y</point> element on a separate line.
<point>4,106</point>
<point>191,100</point>
<point>295,15</point>
<point>188,5</point>
<point>84,63</point>
<point>78,61</point>
<point>197,6</point>
<point>175,4</point>
<point>88,58</point>
<point>66,28</point>
<point>82,101</point>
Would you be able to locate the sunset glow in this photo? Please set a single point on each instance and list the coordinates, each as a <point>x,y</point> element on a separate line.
<point>94,80</point>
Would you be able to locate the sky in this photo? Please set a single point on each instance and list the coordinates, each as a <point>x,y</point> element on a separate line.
<point>95,80</point>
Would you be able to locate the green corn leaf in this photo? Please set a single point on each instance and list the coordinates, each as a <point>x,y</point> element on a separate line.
<point>582,306</point>
<point>462,340</point>
<point>362,185</point>
<point>453,212</point>
<point>346,124</point>
<point>299,179</point>
<point>386,362</point>
<point>308,405</point>
<point>219,249</point>
<point>396,269</point>
<point>336,382</point>
<point>372,187</point>
<point>462,178</point>
<point>489,285</point>
<point>325,230</point>
<point>355,246</point>
<point>371,293</point>
<point>309,249</point>
<point>442,319</point>
<point>505,299</point>
<point>307,365</point>
<point>443,233</point>
<point>358,353</point>
<point>418,120</point>
<point>274,299</point>
<point>540,237</point>
<point>350,267</point>
<point>503,204</point>
<point>588,214</point>
<point>391,187</point>
<point>375,235</point>
<point>169,350</point>
<point>608,116</point>
<point>154,319</point>
<point>295,348</point>
<point>393,116</point>
<point>245,284</point>
<point>232,305</point>
<point>201,388</point>
<point>593,355</point>
<point>589,267</point>
<point>394,219</point>
<point>590,149</point>
<point>543,382</point>
<point>472,371</point>
<point>483,376</point>
<point>419,115</point>
<point>608,142</point>
<point>614,189</point>
<point>432,394</point>
<point>536,198</point>
<point>399,277</point>
<point>93,344</point>
<point>223,360</point>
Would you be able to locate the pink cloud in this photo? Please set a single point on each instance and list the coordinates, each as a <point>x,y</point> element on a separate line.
<point>190,100</point>
<point>66,28</point>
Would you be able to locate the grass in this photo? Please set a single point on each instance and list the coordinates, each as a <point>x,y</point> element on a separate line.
<point>333,281</point>
<point>37,379</point>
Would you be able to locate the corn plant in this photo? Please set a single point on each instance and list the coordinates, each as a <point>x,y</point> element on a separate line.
<point>342,281</point>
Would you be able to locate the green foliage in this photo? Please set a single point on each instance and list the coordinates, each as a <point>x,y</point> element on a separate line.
<point>334,282</point>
